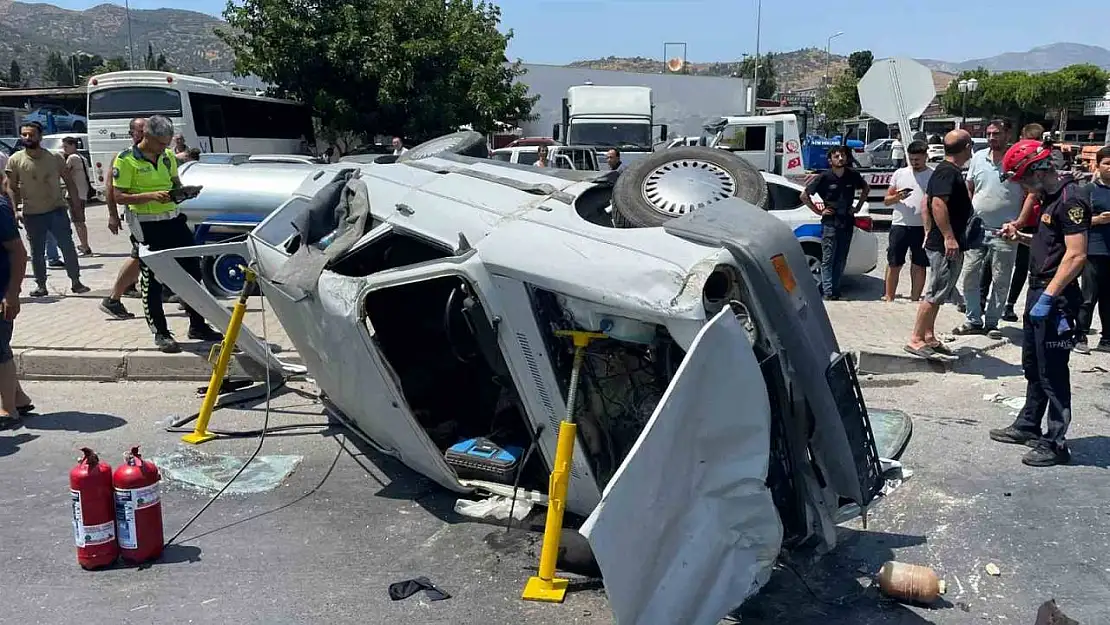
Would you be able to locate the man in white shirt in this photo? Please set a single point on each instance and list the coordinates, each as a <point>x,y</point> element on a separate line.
<point>898,153</point>
<point>399,146</point>
<point>996,203</point>
<point>906,195</point>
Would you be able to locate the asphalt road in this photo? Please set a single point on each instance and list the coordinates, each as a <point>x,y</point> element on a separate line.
<point>324,545</point>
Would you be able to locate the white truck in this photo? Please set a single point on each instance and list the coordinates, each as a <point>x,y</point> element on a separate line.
<point>604,117</point>
<point>774,143</point>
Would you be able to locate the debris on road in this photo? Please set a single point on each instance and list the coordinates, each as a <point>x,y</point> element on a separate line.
<point>910,582</point>
<point>409,587</point>
<point>992,569</point>
<point>1015,403</point>
<point>495,507</point>
<point>1049,614</point>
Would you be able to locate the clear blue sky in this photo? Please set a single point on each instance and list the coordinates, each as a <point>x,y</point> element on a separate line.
<point>720,30</point>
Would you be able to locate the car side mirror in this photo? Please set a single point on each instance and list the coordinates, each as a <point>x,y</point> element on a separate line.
<point>663,132</point>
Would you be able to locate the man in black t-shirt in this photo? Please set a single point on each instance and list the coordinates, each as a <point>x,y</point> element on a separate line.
<point>947,212</point>
<point>837,188</point>
<point>1058,253</point>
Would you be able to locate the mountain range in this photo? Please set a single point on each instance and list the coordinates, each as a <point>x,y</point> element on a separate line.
<point>30,32</point>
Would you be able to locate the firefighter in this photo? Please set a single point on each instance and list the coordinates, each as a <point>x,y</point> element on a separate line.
<point>1058,251</point>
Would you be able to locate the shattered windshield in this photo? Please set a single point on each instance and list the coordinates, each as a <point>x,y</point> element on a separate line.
<point>610,134</point>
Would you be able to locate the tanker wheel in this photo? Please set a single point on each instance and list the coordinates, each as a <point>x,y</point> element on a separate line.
<point>465,143</point>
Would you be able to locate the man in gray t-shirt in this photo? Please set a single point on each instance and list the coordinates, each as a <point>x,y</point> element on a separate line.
<point>996,203</point>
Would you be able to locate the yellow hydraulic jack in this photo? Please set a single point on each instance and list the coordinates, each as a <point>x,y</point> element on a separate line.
<point>545,586</point>
<point>200,432</point>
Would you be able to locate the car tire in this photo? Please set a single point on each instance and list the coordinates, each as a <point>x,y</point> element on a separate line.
<point>651,191</point>
<point>465,143</point>
<point>813,254</point>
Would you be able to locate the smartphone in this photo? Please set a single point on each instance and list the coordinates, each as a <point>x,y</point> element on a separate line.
<point>188,192</point>
<point>906,192</point>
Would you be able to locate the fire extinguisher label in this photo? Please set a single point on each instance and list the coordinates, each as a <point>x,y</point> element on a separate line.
<point>89,535</point>
<point>128,500</point>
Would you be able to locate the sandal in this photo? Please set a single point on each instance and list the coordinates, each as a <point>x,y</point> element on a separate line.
<point>942,348</point>
<point>25,410</point>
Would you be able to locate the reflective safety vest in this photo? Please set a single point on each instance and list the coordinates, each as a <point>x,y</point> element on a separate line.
<point>133,173</point>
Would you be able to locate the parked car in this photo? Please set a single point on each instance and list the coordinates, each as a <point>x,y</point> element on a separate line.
<point>560,156</point>
<point>437,316</point>
<point>880,151</point>
<point>64,121</point>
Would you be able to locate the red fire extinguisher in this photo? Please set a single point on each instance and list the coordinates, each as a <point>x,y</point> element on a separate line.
<point>138,509</point>
<point>94,524</point>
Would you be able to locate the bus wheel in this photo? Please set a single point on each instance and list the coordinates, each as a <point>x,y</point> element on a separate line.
<point>675,182</point>
<point>466,143</point>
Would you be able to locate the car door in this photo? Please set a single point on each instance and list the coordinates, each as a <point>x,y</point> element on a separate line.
<point>687,528</point>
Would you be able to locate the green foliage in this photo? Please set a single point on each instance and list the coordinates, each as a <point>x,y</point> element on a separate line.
<point>15,74</point>
<point>768,82</point>
<point>155,63</point>
<point>842,100</point>
<point>859,62</point>
<point>416,68</point>
<point>1018,95</point>
<point>57,70</point>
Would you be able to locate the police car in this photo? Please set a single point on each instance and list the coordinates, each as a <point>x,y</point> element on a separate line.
<point>785,202</point>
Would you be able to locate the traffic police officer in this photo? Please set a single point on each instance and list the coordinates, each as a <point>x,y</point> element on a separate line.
<point>1058,251</point>
<point>143,176</point>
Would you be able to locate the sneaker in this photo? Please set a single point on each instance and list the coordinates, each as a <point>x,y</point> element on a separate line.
<point>165,343</point>
<point>79,288</point>
<point>84,251</point>
<point>1081,347</point>
<point>994,333</point>
<point>205,333</point>
<point>132,292</point>
<point>40,291</point>
<point>56,263</point>
<point>1013,436</point>
<point>115,308</point>
<point>1009,314</point>
<point>968,329</point>
<point>1047,454</point>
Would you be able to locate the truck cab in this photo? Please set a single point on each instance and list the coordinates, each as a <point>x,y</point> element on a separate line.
<point>770,142</point>
<point>605,117</point>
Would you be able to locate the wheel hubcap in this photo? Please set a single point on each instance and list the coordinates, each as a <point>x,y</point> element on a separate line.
<point>228,272</point>
<point>814,268</point>
<point>680,187</point>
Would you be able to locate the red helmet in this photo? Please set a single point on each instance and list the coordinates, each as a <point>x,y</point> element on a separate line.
<point>1024,156</point>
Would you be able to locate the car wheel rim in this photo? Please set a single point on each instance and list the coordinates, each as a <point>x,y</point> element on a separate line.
<point>682,186</point>
<point>228,273</point>
<point>814,268</point>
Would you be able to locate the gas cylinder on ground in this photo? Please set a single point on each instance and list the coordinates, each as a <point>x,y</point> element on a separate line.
<point>138,509</point>
<point>94,522</point>
<point>909,582</point>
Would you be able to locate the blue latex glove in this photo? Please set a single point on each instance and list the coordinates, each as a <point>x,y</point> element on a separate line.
<point>1062,326</point>
<point>1043,306</point>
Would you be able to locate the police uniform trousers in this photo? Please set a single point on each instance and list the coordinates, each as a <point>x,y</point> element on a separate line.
<point>1045,353</point>
<point>164,235</point>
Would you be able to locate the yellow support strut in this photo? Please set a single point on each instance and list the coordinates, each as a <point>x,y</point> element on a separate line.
<point>545,586</point>
<point>200,432</point>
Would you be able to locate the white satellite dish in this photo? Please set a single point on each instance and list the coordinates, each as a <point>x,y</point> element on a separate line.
<point>896,90</point>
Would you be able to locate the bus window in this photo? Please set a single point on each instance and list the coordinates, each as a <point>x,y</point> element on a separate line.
<point>127,102</point>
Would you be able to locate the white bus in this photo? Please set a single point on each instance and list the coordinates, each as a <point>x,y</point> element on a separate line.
<point>212,116</point>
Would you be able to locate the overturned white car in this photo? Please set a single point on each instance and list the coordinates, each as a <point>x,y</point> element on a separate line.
<point>719,422</point>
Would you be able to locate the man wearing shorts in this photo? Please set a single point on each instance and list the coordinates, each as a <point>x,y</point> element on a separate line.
<point>79,172</point>
<point>906,195</point>
<point>948,211</point>
<point>13,263</point>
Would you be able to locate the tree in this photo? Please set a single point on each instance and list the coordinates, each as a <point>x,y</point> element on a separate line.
<point>859,62</point>
<point>15,74</point>
<point>155,63</point>
<point>768,84</point>
<point>1019,95</point>
<point>57,70</point>
<point>86,65</point>
<point>114,64</point>
<point>841,102</point>
<point>416,68</point>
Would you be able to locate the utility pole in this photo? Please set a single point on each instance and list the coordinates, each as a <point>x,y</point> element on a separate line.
<point>828,56</point>
<point>130,40</point>
<point>758,24</point>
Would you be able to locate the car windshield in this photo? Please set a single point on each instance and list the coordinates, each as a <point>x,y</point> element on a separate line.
<point>874,144</point>
<point>610,134</point>
<point>527,158</point>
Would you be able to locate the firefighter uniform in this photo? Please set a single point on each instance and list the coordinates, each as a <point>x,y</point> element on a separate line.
<point>160,226</point>
<point>1046,348</point>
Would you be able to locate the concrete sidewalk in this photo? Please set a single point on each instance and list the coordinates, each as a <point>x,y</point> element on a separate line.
<point>64,336</point>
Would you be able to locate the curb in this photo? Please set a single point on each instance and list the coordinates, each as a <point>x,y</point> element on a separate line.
<point>118,366</point>
<point>883,361</point>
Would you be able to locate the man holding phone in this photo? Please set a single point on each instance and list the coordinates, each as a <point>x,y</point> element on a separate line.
<point>145,179</point>
<point>906,195</point>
